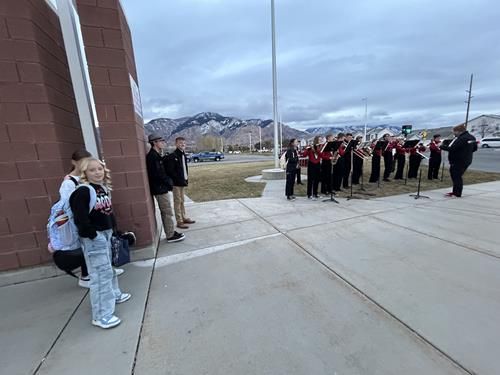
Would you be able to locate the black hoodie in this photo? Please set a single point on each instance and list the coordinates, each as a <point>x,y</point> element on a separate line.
<point>100,218</point>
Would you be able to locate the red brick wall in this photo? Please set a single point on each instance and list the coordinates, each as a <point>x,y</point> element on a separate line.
<point>108,46</point>
<point>39,127</point>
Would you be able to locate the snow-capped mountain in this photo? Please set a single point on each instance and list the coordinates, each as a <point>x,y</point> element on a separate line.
<point>232,130</point>
<point>354,129</point>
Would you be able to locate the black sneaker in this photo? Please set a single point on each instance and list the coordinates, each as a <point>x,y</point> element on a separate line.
<point>176,237</point>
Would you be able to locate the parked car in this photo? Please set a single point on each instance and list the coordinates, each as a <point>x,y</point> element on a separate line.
<point>490,142</point>
<point>207,156</point>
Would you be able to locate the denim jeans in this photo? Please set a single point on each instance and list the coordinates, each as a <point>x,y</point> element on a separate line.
<point>103,282</point>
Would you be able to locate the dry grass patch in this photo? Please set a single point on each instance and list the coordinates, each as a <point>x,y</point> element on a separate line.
<point>217,181</point>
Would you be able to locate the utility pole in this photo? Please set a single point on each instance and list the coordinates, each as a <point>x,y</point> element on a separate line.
<point>468,101</point>
<point>222,144</point>
<point>366,117</point>
<point>250,135</point>
<point>275,88</point>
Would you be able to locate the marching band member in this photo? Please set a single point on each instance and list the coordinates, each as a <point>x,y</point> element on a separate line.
<point>415,160</point>
<point>338,168</point>
<point>313,153</point>
<point>388,158</point>
<point>357,163</point>
<point>401,159</point>
<point>348,160</point>
<point>292,160</point>
<point>435,159</point>
<point>377,154</point>
<point>378,150</point>
<point>326,167</point>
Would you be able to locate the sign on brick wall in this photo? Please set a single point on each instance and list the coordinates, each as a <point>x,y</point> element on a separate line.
<point>136,96</point>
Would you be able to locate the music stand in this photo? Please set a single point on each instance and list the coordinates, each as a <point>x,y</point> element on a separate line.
<point>332,147</point>
<point>407,145</point>
<point>418,195</point>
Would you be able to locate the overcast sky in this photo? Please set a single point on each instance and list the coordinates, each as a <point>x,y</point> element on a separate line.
<point>412,59</point>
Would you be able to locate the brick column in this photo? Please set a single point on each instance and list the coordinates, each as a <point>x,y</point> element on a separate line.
<point>39,127</point>
<point>109,51</point>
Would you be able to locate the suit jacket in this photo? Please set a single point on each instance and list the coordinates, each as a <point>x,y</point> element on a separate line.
<point>461,150</point>
<point>175,169</point>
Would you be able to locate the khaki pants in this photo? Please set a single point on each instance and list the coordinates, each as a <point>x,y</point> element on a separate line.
<point>166,214</point>
<point>180,211</point>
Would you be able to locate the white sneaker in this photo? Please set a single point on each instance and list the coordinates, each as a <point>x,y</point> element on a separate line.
<point>124,297</point>
<point>119,271</point>
<point>84,282</point>
<point>106,323</point>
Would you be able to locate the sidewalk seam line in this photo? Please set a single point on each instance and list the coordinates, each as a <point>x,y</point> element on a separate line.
<point>483,252</point>
<point>42,361</point>
<point>373,301</point>
<point>139,336</point>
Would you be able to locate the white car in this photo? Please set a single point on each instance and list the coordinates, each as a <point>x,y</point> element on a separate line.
<point>490,142</point>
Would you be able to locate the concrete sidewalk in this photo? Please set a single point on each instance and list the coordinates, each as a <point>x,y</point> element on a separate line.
<point>266,286</point>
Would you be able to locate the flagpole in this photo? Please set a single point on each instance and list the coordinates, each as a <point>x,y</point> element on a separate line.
<point>275,87</point>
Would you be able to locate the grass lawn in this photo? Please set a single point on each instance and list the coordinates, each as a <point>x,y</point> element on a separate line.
<point>217,181</point>
<point>226,181</point>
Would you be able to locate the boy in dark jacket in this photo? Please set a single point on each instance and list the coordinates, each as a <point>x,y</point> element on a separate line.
<point>160,184</point>
<point>177,169</point>
<point>460,152</point>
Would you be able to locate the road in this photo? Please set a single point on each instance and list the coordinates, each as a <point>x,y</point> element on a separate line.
<point>485,159</point>
<point>237,158</point>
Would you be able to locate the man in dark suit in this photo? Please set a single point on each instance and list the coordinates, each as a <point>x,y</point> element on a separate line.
<point>460,152</point>
<point>177,169</point>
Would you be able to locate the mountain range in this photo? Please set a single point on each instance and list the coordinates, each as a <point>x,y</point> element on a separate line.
<point>234,131</point>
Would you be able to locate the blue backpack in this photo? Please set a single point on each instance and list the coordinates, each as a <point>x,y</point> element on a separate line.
<point>61,229</point>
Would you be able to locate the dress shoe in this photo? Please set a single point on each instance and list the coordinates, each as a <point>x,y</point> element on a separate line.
<point>189,221</point>
<point>182,225</point>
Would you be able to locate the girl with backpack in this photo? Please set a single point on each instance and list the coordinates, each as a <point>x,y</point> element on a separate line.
<point>93,216</point>
<point>70,258</point>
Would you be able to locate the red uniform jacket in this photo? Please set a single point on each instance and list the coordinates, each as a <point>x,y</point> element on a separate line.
<point>435,150</point>
<point>313,157</point>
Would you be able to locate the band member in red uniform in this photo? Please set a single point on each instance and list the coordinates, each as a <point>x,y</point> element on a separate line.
<point>313,154</point>
<point>357,163</point>
<point>347,160</point>
<point>401,159</point>
<point>376,156</point>
<point>326,167</point>
<point>388,158</point>
<point>415,160</point>
<point>435,159</point>
<point>338,168</point>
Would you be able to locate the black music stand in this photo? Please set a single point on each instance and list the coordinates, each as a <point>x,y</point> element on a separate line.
<point>409,144</point>
<point>362,190</point>
<point>332,147</point>
<point>418,195</point>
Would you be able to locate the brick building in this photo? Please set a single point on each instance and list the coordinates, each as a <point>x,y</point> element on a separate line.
<point>45,115</point>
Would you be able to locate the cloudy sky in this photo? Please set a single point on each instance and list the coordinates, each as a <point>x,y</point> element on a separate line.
<point>412,59</point>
